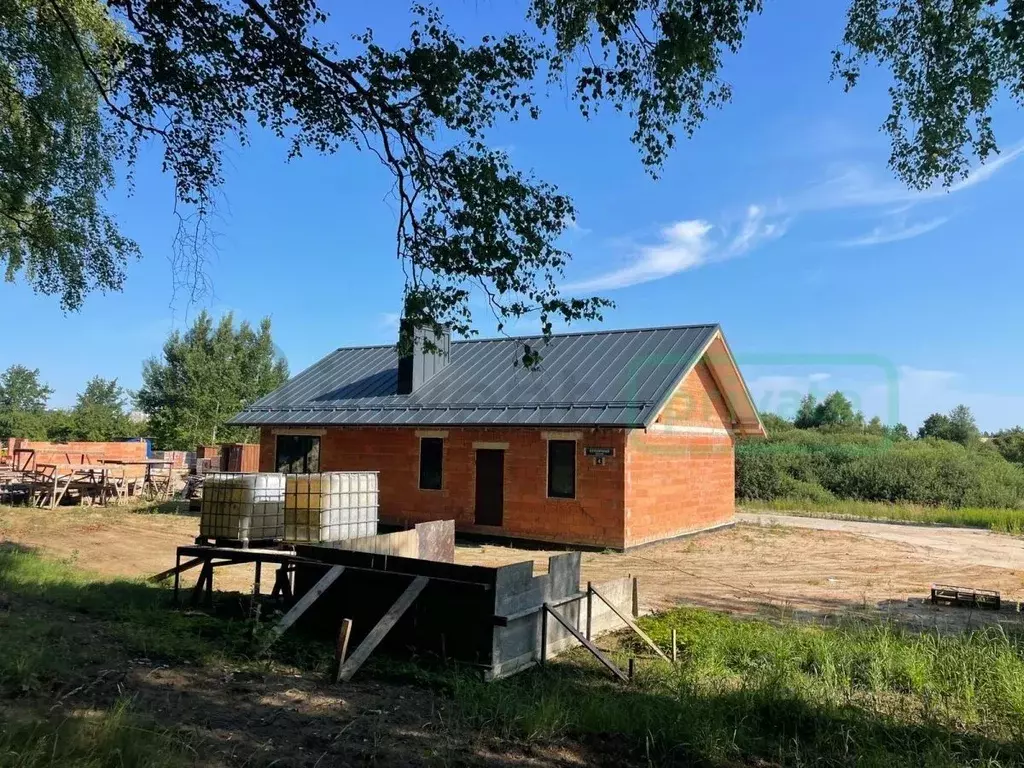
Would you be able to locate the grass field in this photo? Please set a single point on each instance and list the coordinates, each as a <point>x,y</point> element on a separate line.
<point>1000,520</point>
<point>745,692</point>
<point>749,691</point>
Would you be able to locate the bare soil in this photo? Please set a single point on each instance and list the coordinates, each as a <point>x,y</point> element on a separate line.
<point>768,563</point>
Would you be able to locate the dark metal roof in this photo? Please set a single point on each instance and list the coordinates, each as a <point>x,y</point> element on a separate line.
<point>603,378</point>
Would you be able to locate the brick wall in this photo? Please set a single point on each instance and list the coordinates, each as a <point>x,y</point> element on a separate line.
<point>680,474</point>
<point>697,402</point>
<point>594,517</point>
<point>76,452</point>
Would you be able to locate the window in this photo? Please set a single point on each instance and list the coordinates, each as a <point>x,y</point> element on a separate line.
<point>298,454</point>
<point>431,463</point>
<point>562,469</point>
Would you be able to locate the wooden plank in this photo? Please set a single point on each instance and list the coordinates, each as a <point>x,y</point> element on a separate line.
<point>372,640</point>
<point>341,651</point>
<point>303,604</point>
<point>587,644</point>
<point>181,568</point>
<point>630,623</point>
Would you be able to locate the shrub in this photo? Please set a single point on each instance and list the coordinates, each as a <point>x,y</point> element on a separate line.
<point>816,465</point>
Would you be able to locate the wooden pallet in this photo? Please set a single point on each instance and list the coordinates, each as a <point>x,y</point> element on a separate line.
<point>220,541</point>
<point>966,596</point>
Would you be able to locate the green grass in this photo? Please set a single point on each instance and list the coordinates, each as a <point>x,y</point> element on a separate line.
<point>787,694</point>
<point>1001,520</point>
<point>61,628</point>
<point>744,692</point>
<point>115,738</point>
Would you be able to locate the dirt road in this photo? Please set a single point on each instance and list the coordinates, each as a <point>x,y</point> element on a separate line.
<point>766,564</point>
<point>966,546</point>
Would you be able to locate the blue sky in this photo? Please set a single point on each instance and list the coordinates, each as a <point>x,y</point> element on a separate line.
<point>779,219</point>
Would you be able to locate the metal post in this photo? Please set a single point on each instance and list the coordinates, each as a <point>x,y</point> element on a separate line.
<point>674,656</point>
<point>636,598</point>
<point>256,582</point>
<point>590,607</point>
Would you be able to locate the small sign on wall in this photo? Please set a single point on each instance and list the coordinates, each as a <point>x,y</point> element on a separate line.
<point>599,453</point>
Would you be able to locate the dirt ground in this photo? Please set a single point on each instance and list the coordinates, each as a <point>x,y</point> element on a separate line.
<point>768,563</point>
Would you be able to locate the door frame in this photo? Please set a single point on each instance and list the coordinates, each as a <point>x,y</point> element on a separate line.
<point>501,448</point>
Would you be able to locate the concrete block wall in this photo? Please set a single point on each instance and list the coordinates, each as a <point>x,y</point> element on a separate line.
<point>518,645</point>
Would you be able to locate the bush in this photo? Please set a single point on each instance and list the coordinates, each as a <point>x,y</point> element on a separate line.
<point>815,465</point>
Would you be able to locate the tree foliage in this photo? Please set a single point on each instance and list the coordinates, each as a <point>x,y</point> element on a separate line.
<point>23,398</point>
<point>100,411</point>
<point>958,426</point>
<point>197,75</point>
<point>57,148</point>
<point>206,376</point>
<point>1010,443</point>
<point>835,411</point>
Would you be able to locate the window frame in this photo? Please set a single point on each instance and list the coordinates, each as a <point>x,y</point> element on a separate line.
<point>317,438</point>
<point>575,474</point>
<point>419,468</point>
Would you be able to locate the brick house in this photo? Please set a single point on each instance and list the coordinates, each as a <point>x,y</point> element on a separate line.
<point>617,439</point>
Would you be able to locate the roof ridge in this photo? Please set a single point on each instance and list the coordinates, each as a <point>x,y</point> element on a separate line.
<point>599,332</point>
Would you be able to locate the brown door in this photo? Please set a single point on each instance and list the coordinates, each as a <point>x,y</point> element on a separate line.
<point>490,486</point>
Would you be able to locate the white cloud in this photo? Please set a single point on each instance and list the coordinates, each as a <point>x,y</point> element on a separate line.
<point>685,245</point>
<point>854,186</point>
<point>892,234</point>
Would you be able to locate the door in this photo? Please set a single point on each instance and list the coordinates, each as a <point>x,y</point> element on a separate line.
<point>298,454</point>
<point>490,486</point>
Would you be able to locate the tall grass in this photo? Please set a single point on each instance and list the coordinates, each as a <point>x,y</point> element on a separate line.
<point>1001,520</point>
<point>115,738</point>
<point>747,691</point>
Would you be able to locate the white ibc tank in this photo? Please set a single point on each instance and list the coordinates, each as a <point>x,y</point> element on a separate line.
<point>244,507</point>
<point>330,506</point>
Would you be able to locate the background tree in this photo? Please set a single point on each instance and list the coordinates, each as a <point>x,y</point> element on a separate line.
<point>936,425</point>
<point>194,74</point>
<point>99,412</point>
<point>806,413</point>
<point>958,426</point>
<point>57,148</point>
<point>836,411</point>
<point>206,376</point>
<point>962,427</point>
<point>23,398</point>
<point>1010,443</point>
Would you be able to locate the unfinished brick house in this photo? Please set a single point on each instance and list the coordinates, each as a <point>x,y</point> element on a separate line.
<point>619,438</point>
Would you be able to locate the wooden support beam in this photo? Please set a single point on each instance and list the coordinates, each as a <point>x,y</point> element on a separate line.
<point>587,644</point>
<point>630,623</point>
<point>341,651</point>
<point>303,604</point>
<point>204,575</point>
<point>180,568</point>
<point>372,640</point>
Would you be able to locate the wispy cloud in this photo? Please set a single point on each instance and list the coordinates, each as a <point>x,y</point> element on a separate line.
<point>893,234</point>
<point>686,245</point>
<point>854,186</point>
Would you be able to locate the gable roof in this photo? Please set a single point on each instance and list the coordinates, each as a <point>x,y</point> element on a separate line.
<point>604,378</point>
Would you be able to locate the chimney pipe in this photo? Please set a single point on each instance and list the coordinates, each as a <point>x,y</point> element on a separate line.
<point>417,364</point>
